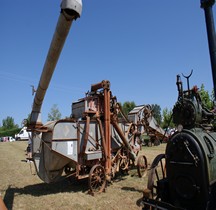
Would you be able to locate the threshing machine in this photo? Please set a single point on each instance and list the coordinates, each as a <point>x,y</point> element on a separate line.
<point>91,143</point>
<point>147,125</point>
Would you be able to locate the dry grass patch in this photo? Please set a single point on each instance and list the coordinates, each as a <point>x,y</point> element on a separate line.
<point>22,190</point>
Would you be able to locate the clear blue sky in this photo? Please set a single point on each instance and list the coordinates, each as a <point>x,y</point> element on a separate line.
<point>140,46</point>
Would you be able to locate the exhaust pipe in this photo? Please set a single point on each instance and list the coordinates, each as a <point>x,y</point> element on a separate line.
<point>207,6</point>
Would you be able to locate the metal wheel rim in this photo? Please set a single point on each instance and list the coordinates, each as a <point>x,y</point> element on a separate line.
<point>97,179</point>
<point>157,172</point>
<point>142,166</point>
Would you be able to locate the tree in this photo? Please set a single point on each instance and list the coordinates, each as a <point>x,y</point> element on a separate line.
<point>8,123</point>
<point>156,112</point>
<point>54,113</point>
<point>167,118</point>
<point>128,106</point>
<point>205,97</point>
<point>212,95</point>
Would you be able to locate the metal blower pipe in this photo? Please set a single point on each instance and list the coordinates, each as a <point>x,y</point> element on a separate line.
<point>70,10</point>
<point>207,6</point>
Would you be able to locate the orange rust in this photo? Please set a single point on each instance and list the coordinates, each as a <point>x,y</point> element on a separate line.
<point>2,204</point>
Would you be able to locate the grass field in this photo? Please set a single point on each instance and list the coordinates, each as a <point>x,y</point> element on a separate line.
<point>20,189</point>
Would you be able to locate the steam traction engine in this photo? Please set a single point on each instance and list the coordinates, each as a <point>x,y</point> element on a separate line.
<point>185,176</point>
<point>91,143</point>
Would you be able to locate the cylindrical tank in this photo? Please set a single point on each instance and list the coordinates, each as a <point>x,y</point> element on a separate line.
<point>190,165</point>
<point>70,10</point>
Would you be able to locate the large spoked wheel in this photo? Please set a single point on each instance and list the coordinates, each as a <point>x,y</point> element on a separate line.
<point>97,179</point>
<point>157,172</point>
<point>142,165</point>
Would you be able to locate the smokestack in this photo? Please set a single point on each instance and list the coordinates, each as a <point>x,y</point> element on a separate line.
<point>207,6</point>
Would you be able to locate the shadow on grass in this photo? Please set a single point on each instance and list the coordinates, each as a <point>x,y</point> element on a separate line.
<point>71,185</point>
<point>66,185</point>
<point>131,189</point>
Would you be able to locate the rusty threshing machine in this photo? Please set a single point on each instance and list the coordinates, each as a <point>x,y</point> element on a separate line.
<point>146,124</point>
<point>92,143</point>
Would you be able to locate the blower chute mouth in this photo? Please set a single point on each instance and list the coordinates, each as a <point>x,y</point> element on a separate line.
<point>72,8</point>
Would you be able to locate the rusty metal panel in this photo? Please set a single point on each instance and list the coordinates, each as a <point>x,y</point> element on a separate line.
<point>94,137</point>
<point>93,155</point>
<point>78,108</point>
<point>154,125</point>
<point>116,141</point>
<point>65,130</point>
<point>135,114</point>
<point>83,106</point>
<point>66,148</point>
<point>64,140</point>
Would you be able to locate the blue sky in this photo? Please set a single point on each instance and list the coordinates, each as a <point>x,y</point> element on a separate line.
<point>140,46</point>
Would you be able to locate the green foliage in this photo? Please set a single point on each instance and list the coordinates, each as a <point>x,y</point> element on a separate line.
<point>9,128</point>
<point>8,124</point>
<point>127,107</point>
<point>167,118</point>
<point>205,97</point>
<point>212,95</point>
<point>10,132</point>
<point>54,113</point>
<point>157,113</point>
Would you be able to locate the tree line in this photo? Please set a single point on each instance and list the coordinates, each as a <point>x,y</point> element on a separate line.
<point>163,118</point>
<point>8,128</point>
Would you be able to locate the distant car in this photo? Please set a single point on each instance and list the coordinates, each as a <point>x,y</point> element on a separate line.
<point>11,138</point>
<point>23,135</point>
<point>8,139</point>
